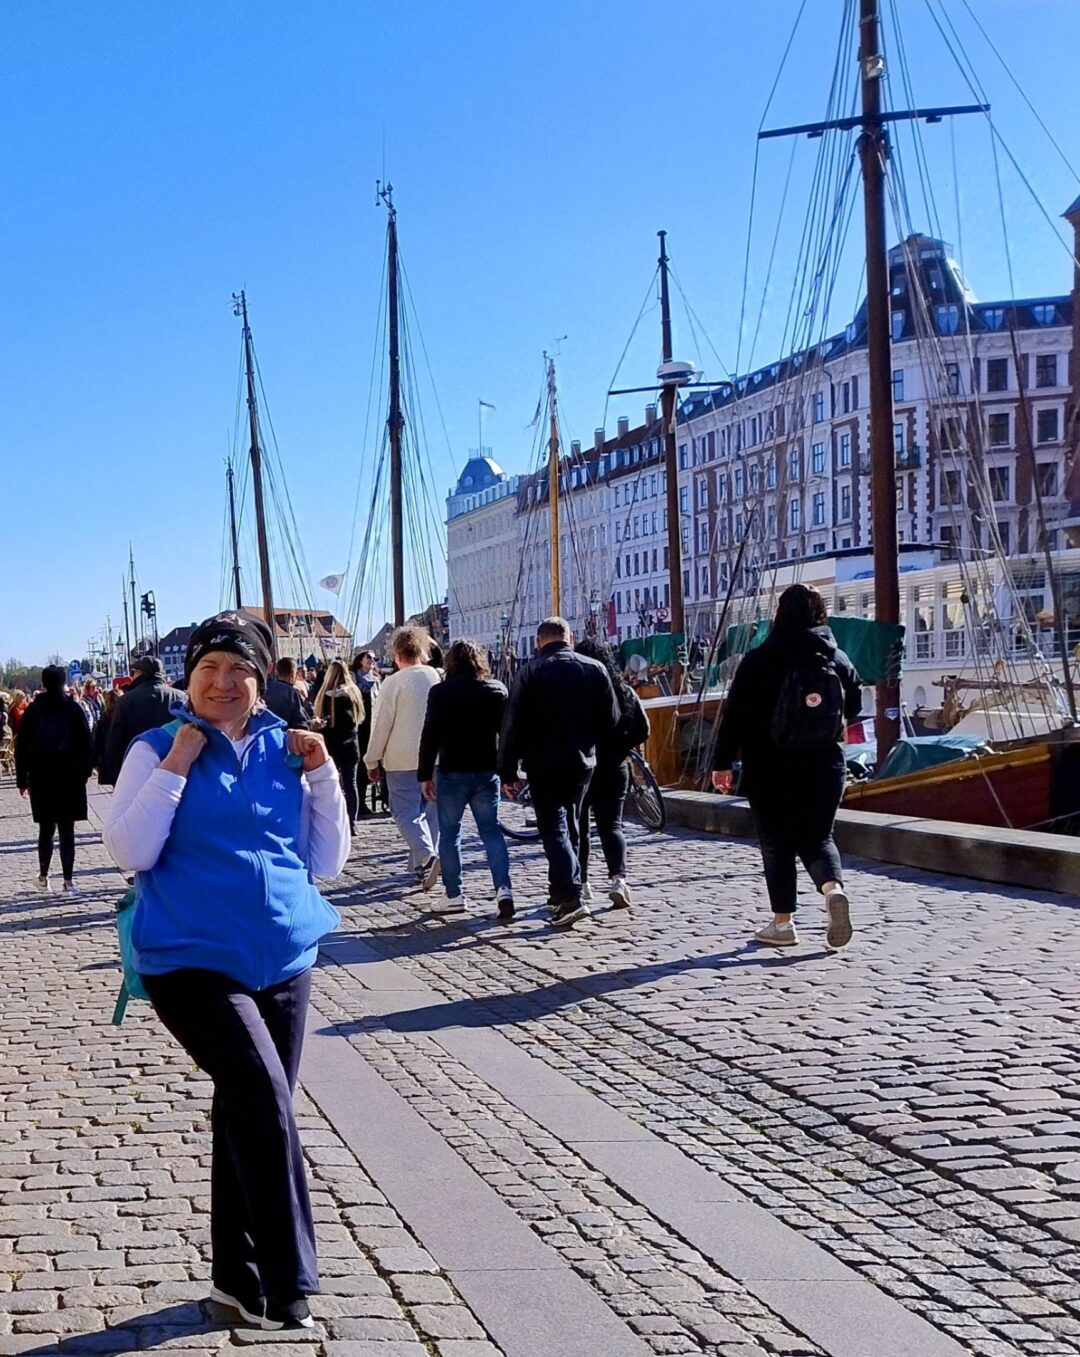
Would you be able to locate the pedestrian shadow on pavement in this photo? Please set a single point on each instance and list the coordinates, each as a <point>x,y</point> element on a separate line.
<point>173,1326</point>
<point>514,1006</point>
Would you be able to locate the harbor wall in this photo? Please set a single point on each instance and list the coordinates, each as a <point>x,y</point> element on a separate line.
<point>1013,857</point>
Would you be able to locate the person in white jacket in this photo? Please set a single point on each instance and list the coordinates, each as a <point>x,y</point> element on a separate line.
<point>395,743</point>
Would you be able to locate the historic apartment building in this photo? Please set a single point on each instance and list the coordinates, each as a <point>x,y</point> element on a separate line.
<point>983,434</point>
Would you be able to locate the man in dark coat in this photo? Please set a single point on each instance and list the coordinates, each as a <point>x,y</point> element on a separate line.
<point>144,705</point>
<point>282,697</point>
<point>53,760</point>
<point>561,704</point>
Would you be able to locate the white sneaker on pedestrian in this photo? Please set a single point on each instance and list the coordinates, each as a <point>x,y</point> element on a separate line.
<point>450,904</point>
<point>70,888</point>
<point>777,935</point>
<point>504,900</point>
<point>587,893</point>
<point>838,908</point>
<point>42,883</point>
<point>429,873</point>
<point>619,892</point>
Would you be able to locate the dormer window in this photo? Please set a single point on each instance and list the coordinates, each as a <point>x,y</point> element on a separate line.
<point>948,319</point>
<point>1044,313</point>
<point>994,317</point>
<point>899,319</point>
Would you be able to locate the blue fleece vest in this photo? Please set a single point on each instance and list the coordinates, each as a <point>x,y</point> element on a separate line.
<point>230,892</point>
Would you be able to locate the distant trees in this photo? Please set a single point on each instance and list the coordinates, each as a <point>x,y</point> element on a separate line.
<point>16,674</point>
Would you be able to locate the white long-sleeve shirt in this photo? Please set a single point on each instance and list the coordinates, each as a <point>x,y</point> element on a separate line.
<point>399,718</point>
<point>146,796</point>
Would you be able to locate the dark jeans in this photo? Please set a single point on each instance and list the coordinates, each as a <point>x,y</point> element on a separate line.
<point>794,809</point>
<point>346,760</point>
<point>65,829</point>
<point>557,803</point>
<point>480,793</point>
<point>261,1229</point>
<point>605,797</point>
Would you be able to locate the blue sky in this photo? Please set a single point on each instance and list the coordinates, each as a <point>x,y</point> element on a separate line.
<point>158,156</point>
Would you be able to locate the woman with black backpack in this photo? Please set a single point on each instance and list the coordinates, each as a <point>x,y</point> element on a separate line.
<point>610,782</point>
<point>785,715</point>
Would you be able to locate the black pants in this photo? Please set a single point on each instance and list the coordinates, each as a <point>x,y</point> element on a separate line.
<point>557,803</point>
<point>66,831</point>
<point>346,761</point>
<point>795,805</point>
<point>605,798</point>
<point>261,1229</point>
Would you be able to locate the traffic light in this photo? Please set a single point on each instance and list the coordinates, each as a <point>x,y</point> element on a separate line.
<point>147,605</point>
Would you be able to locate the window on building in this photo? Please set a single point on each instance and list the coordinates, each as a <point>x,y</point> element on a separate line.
<point>818,512</point>
<point>1048,478</point>
<point>845,502</point>
<point>628,566</point>
<point>740,482</point>
<point>654,560</point>
<point>704,583</point>
<point>682,457</point>
<point>618,568</point>
<point>819,407</point>
<point>817,458</point>
<point>994,317</point>
<point>618,532</point>
<point>739,527</point>
<point>948,319</point>
<point>1044,313</point>
<point>755,477</point>
<point>794,511</point>
<point>997,430</point>
<point>898,384</point>
<point>684,499</point>
<point>952,379</point>
<point>702,493</point>
<point>686,583</point>
<point>951,536</point>
<point>793,464</point>
<point>997,374</point>
<point>1003,534</point>
<point>845,398</point>
<point>899,484</point>
<point>845,449</point>
<point>950,487</point>
<point>950,433</point>
<point>899,319</point>
<point>1046,369</point>
<point>703,537</point>
<point>770,474</point>
<point>1046,426</point>
<point>898,438</point>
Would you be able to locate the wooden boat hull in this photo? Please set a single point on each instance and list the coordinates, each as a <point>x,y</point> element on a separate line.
<point>1011,789</point>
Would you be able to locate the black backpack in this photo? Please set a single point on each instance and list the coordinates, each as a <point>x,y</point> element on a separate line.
<point>809,711</point>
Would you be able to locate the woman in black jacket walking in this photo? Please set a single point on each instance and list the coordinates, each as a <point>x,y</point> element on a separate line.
<point>610,781</point>
<point>53,761</point>
<point>339,708</point>
<point>785,715</point>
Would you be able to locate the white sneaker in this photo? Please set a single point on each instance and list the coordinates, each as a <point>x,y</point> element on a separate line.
<point>70,888</point>
<point>429,873</point>
<point>450,904</point>
<point>837,907</point>
<point>42,883</point>
<point>777,935</point>
<point>619,892</point>
<point>587,893</point>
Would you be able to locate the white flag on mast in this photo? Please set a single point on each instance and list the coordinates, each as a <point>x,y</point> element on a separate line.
<point>332,583</point>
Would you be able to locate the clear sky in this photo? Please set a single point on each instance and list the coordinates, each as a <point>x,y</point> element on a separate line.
<point>157,156</point>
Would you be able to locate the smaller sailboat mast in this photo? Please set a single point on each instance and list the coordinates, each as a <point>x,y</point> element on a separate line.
<point>553,489</point>
<point>668,394</point>
<point>395,419</point>
<point>240,309</point>
<point>232,536</point>
<point>131,583</point>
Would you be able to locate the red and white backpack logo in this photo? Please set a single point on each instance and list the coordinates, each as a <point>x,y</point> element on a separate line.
<point>813,699</point>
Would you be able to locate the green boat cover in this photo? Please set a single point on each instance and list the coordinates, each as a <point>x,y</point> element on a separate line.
<point>911,754</point>
<point>658,649</point>
<point>876,649</point>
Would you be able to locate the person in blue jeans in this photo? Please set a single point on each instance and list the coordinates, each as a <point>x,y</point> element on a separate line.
<point>461,732</point>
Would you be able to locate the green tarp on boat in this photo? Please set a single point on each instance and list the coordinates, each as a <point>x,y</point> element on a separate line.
<point>658,649</point>
<point>913,753</point>
<point>876,649</point>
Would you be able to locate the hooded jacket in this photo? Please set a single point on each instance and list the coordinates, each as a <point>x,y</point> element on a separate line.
<point>746,726</point>
<point>143,706</point>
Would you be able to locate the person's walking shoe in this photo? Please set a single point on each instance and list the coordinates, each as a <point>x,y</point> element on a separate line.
<point>587,893</point>
<point>42,883</point>
<point>251,1307</point>
<point>619,892</point>
<point>777,935</point>
<point>504,898</point>
<point>838,908</point>
<point>428,873</point>
<point>294,1315</point>
<point>568,913</point>
<point>450,904</point>
<point>70,888</point>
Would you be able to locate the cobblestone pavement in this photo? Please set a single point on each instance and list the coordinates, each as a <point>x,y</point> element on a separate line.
<point>909,1105</point>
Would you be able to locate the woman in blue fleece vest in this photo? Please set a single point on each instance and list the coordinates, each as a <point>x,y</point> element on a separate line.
<point>226,817</point>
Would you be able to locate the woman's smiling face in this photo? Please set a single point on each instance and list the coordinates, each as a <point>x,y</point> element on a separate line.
<point>223,688</point>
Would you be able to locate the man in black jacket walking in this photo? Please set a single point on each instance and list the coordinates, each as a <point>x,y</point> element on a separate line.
<point>560,705</point>
<point>144,705</point>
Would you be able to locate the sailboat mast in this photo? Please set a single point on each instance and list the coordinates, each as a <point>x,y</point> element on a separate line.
<point>395,420</point>
<point>873,151</point>
<point>232,536</point>
<point>240,309</point>
<point>553,490</point>
<point>131,582</point>
<point>668,393</point>
<point>127,629</point>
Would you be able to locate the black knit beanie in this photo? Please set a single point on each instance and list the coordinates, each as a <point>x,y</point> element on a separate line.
<point>248,637</point>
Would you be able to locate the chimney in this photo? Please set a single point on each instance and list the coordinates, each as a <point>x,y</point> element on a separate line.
<point>598,439</point>
<point>575,447</point>
<point>650,414</point>
<point>624,426</point>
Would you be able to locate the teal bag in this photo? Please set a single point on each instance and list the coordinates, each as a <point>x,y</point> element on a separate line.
<point>132,987</point>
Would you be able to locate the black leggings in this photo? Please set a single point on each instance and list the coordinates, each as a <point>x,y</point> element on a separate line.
<point>794,808</point>
<point>605,798</point>
<point>66,830</point>
<point>346,762</point>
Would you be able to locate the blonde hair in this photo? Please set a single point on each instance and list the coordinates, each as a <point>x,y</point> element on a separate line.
<point>338,679</point>
<point>411,643</point>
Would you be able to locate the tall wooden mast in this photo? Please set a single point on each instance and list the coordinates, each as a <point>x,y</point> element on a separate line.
<point>395,420</point>
<point>553,489</point>
<point>668,395</point>
<point>240,309</point>
<point>232,536</point>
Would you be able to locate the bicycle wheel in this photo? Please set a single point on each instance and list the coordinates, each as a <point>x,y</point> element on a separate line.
<point>517,819</point>
<point>644,795</point>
